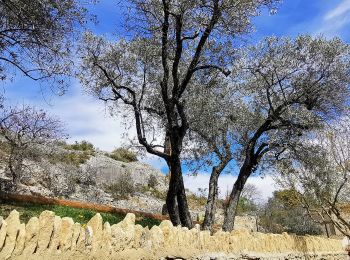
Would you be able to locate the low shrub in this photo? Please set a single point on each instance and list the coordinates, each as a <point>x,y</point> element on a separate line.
<point>152,181</point>
<point>123,155</point>
<point>123,187</point>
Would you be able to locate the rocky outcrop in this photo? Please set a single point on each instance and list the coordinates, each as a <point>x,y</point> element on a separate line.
<point>125,240</point>
<point>88,181</point>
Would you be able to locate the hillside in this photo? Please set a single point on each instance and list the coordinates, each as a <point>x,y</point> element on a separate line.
<point>91,176</point>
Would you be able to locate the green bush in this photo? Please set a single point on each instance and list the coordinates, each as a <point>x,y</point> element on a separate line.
<point>152,181</point>
<point>78,153</point>
<point>123,155</point>
<point>82,146</point>
<point>123,187</point>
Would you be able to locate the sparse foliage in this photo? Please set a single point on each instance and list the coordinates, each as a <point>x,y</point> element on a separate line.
<point>284,213</point>
<point>123,188</point>
<point>175,47</point>
<point>288,87</point>
<point>27,132</point>
<point>319,170</point>
<point>36,38</point>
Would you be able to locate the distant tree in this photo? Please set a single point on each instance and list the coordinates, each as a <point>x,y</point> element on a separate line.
<point>27,132</point>
<point>175,47</point>
<point>288,87</point>
<point>36,38</point>
<point>284,213</point>
<point>319,170</point>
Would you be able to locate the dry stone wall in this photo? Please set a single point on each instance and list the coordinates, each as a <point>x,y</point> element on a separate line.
<point>52,237</point>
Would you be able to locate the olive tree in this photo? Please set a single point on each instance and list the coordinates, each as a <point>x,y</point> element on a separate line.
<point>173,48</point>
<point>319,170</point>
<point>27,132</point>
<point>289,87</point>
<point>36,38</point>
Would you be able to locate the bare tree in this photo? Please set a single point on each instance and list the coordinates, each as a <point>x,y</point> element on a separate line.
<point>288,87</point>
<point>319,171</point>
<point>175,47</point>
<point>36,38</point>
<point>26,131</point>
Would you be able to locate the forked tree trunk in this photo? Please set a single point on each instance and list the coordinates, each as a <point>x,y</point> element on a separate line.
<point>213,193</point>
<point>178,212</point>
<point>235,195</point>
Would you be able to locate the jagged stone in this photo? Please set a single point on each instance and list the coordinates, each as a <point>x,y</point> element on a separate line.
<point>128,221</point>
<point>55,239</point>
<point>157,237</point>
<point>2,232</point>
<point>81,240</point>
<point>13,225</point>
<point>96,224</point>
<point>137,236</point>
<point>66,234</point>
<point>107,238</point>
<point>46,226</point>
<point>32,232</point>
<point>76,234</point>
<point>21,238</point>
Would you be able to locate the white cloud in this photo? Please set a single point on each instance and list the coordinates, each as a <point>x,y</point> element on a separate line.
<point>334,20</point>
<point>88,119</point>
<point>265,185</point>
<point>339,10</point>
<point>85,118</point>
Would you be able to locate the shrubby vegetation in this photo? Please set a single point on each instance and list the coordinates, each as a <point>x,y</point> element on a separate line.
<point>123,187</point>
<point>74,154</point>
<point>123,155</point>
<point>284,213</point>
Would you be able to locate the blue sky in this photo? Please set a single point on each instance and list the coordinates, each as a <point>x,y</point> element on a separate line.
<point>87,119</point>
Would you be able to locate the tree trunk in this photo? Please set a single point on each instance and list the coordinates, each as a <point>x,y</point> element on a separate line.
<point>231,210</point>
<point>210,208</point>
<point>171,200</point>
<point>15,167</point>
<point>178,212</point>
<point>184,212</point>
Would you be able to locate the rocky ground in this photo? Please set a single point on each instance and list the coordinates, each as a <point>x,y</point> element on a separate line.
<point>89,182</point>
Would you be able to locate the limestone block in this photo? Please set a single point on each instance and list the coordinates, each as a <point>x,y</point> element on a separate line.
<point>21,238</point>
<point>137,236</point>
<point>32,232</point>
<point>167,228</point>
<point>123,233</point>
<point>128,221</point>
<point>13,224</point>
<point>46,222</point>
<point>2,233</point>
<point>66,234</point>
<point>55,239</point>
<point>81,240</point>
<point>76,234</point>
<point>107,238</point>
<point>96,225</point>
<point>157,238</point>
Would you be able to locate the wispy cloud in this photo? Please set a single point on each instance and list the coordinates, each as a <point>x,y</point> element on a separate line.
<point>340,10</point>
<point>334,21</point>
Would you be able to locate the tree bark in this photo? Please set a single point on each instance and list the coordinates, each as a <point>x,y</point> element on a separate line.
<point>210,208</point>
<point>231,209</point>
<point>15,167</point>
<point>176,197</point>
